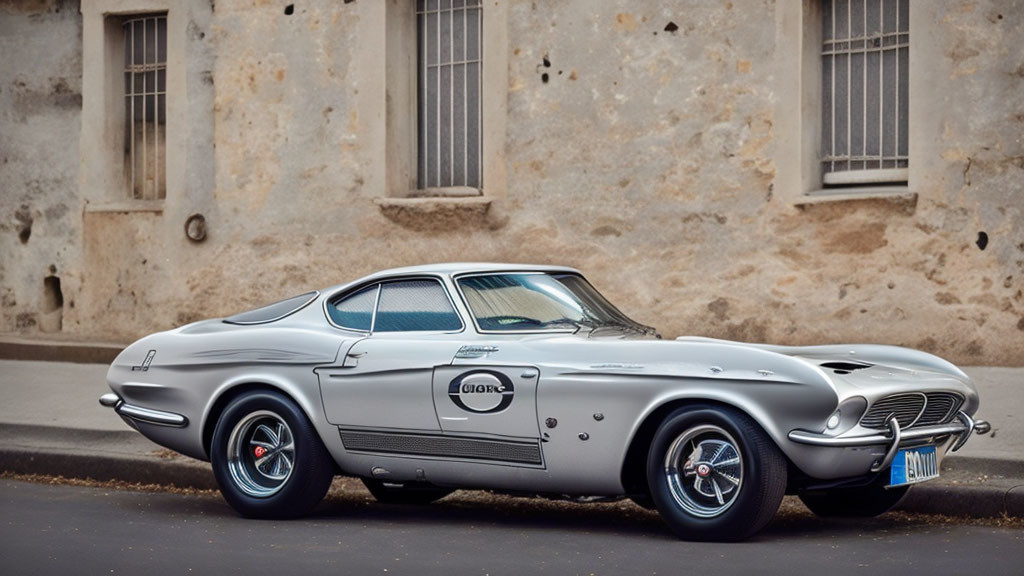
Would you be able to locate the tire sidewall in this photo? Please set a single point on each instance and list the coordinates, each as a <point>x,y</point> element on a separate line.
<point>737,521</point>
<point>289,500</point>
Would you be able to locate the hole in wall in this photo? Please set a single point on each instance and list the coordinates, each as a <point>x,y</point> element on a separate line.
<point>671,27</point>
<point>289,9</point>
<point>982,241</point>
<point>24,220</point>
<point>53,305</point>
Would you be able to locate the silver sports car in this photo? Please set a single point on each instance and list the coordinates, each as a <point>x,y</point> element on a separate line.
<point>525,379</point>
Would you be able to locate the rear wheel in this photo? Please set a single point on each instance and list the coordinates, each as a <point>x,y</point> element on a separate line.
<point>268,460</point>
<point>714,474</point>
<point>860,502</point>
<point>407,493</point>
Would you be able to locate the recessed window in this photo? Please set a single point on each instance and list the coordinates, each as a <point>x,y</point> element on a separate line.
<point>865,98</point>
<point>355,311</point>
<point>401,306</point>
<point>449,87</point>
<point>415,305</point>
<point>145,105</point>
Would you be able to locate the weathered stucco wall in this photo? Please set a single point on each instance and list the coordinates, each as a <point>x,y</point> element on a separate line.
<point>40,111</point>
<point>643,141</point>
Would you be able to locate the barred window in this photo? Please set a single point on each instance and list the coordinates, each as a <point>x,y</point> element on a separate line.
<point>865,100</point>
<point>449,93</point>
<point>145,102</point>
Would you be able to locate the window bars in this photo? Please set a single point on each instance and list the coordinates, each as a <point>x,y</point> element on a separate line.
<point>449,93</point>
<point>865,100</point>
<point>145,91</point>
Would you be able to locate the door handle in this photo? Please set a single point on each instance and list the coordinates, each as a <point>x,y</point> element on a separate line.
<point>356,354</point>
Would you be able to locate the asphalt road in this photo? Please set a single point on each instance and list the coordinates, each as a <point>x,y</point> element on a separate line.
<point>83,530</point>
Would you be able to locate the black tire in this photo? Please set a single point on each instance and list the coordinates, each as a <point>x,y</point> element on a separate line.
<point>861,502</point>
<point>734,487</point>
<point>411,493</point>
<point>274,489</point>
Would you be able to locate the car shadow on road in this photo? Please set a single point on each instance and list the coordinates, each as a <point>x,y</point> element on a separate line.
<point>481,509</point>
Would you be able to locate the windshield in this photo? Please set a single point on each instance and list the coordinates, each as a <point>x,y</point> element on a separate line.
<point>531,302</point>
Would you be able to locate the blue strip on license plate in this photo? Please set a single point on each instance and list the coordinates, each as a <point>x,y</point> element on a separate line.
<point>913,465</point>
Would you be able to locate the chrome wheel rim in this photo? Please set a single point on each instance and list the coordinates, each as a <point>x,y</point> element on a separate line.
<point>261,454</point>
<point>704,470</point>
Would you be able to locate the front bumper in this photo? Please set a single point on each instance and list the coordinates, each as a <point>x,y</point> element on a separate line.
<point>962,427</point>
<point>139,414</point>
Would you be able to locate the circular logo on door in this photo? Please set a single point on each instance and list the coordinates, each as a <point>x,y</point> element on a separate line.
<point>482,392</point>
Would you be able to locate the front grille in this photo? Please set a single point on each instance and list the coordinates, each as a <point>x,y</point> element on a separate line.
<point>940,408</point>
<point>915,409</point>
<point>445,446</point>
<point>905,407</point>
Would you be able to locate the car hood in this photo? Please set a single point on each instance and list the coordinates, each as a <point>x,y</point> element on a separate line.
<point>873,370</point>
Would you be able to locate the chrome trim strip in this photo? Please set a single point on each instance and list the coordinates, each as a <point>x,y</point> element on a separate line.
<point>969,425</point>
<point>982,427</point>
<point>815,439</point>
<point>140,414</point>
<point>894,428</point>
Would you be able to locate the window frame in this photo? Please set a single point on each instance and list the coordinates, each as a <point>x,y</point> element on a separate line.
<point>131,148</point>
<point>895,176</point>
<point>344,293</point>
<point>398,172</point>
<point>423,111</point>
<point>472,316</point>
<point>798,107</point>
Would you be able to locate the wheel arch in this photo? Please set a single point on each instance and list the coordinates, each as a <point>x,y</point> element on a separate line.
<point>233,390</point>
<point>634,465</point>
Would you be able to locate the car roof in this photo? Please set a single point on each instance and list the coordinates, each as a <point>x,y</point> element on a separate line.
<point>450,269</point>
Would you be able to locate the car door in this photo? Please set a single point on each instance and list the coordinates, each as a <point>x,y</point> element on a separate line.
<point>487,398</point>
<point>384,380</point>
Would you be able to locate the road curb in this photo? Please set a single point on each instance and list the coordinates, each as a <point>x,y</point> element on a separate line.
<point>48,351</point>
<point>106,467</point>
<point>976,488</point>
<point>965,500</point>
<point>124,456</point>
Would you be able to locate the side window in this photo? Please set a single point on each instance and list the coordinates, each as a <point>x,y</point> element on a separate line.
<point>415,305</point>
<point>355,311</point>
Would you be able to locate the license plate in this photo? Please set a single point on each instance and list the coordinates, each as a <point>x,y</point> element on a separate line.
<point>913,465</point>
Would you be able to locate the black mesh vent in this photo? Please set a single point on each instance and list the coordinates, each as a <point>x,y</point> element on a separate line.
<point>424,445</point>
<point>940,409</point>
<point>905,407</point>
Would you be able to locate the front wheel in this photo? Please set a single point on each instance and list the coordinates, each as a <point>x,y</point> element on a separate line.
<point>714,474</point>
<point>860,502</point>
<point>267,458</point>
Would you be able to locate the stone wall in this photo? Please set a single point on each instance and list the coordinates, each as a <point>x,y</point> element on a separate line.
<point>40,114</point>
<point>643,146</point>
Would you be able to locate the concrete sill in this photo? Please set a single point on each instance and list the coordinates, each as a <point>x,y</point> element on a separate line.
<point>447,192</point>
<point>894,194</point>
<point>435,213</point>
<point>126,206</point>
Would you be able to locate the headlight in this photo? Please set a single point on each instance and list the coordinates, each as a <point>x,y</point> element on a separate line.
<point>833,420</point>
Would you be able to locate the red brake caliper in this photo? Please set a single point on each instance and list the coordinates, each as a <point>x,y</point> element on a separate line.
<point>259,451</point>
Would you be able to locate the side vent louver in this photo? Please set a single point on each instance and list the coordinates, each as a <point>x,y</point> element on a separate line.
<point>845,367</point>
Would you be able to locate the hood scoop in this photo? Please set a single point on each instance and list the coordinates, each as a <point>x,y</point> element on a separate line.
<point>845,367</point>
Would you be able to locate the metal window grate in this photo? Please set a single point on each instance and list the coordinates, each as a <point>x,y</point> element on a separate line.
<point>145,101</point>
<point>449,89</point>
<point>865,100</point>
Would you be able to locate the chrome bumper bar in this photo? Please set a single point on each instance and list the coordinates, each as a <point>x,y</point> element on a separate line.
<point>139,414</point>
<point>963,427</point>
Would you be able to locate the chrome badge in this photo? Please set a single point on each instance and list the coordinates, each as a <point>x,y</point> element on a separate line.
<point>482,392</point>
